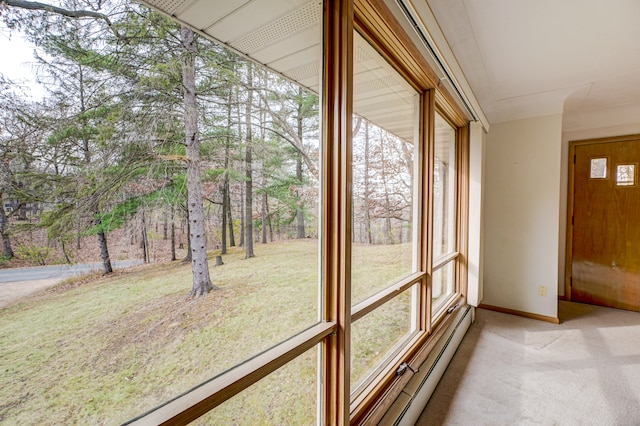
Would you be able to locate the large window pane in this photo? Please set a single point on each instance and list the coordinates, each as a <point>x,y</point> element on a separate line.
<point>269,285</point>
<point>385,125</point>
<point>105,349</point>
<point>285,397</point>
<point>376,336</point>
<point>444,188</point>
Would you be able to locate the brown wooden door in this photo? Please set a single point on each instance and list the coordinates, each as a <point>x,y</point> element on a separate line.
<point>605,263</point>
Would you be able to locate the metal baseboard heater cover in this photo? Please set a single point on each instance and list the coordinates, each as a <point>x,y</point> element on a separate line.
<point>409,406</point>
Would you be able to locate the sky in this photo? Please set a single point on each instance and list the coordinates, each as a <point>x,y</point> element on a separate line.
<point>15,56</point>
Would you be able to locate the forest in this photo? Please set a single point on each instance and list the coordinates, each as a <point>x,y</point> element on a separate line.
<point>154,143</point>
<point>146,124</point>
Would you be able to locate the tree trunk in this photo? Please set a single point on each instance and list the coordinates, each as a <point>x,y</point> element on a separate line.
<point>300,202</point>
<point>64,252</point>
<point>264,218</point>
<point>263,136</point>
<point>407,155</point>
<point>188,257</point>
<point>104,253</point>
<point>7,250</point>
<point>240,135</point>
<point>248,222</point>
<point>367,200</point>
<point>226,201</point>
<point>165,227</point>
<point>300,231</point>
<point>173,236</point>
<point>22,212</point>
<point>223,234</point>
<point>232,238</point>
<point>387,204</point>
<point>145,240</point>
<point>198,243</point>
<point>270,223</point>
<point>242,215</point>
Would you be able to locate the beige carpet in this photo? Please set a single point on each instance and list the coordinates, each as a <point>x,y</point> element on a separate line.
<point>516,371</point>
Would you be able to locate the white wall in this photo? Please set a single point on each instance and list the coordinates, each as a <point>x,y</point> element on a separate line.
<point>521,220</point>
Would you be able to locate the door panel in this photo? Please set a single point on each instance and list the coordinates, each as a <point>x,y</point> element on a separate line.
<point>605,268</point>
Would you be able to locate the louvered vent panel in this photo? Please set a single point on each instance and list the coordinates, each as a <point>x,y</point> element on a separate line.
<point>373,85</point>
<point>168,6</point>
<point>387,107</point>
<point>280,28</point>
<point>303,72</point>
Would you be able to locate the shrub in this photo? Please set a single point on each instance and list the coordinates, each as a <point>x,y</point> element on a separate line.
<point>39,255</point>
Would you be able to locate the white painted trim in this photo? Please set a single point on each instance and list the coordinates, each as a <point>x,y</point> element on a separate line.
<point>476,186</point>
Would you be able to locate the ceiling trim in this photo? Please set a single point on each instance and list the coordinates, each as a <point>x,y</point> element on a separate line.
<point>426,27</point>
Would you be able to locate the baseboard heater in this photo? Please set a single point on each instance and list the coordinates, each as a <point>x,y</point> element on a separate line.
<point>407,409</point>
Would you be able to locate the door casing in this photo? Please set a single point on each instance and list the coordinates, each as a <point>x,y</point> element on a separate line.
<point>570,200</point>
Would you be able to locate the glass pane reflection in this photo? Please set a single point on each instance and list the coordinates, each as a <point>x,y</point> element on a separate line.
<point>442,285</point>
<point>384,129</point>
<point>444,188</point>
<point>376,336</point>
<point>626,175</point>
<point>598,168</point>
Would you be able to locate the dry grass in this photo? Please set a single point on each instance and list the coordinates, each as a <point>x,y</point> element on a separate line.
<point>103,350</point>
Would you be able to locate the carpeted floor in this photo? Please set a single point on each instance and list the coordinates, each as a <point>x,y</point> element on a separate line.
<point>517,371</point>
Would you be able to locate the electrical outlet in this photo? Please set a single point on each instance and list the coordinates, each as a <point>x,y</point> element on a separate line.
<point>542,290</point>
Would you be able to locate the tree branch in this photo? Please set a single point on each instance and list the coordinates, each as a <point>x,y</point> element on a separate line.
<point>34,5</point>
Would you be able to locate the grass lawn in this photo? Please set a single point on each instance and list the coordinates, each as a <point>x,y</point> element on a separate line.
<point>103,350</point>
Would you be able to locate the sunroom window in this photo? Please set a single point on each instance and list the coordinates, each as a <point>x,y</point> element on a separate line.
<point>384,250</point>
<point>356,177</point>
<point>445,189</point>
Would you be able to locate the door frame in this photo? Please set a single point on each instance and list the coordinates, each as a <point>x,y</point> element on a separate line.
<point>570,200</point>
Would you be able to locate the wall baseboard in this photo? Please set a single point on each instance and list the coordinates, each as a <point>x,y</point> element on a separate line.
<point>553,320</point>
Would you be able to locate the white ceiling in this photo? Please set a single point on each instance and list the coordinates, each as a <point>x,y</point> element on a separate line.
<point>528,58</point>
<point>522,58</point>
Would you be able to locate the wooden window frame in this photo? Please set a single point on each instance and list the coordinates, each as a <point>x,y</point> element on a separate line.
<point>337,111</point>
<point>376,24</point>
<point>374,21</point>
<point>461,215</point>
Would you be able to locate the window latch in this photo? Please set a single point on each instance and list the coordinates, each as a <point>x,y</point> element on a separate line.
<point>453,308</point>
<point>403,369</point>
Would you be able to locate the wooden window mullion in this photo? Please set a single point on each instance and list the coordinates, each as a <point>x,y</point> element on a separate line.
<point>337,100</point>
<point>426,219</point>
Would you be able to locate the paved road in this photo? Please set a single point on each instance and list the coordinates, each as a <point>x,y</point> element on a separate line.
<point>56,271</point>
